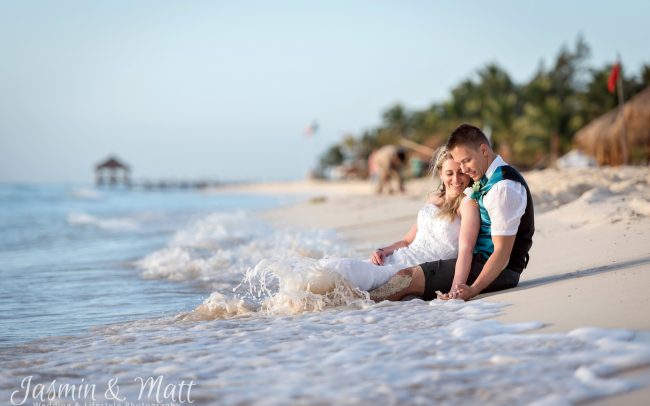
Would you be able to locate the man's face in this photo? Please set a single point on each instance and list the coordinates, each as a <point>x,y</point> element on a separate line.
<point>473,161</point>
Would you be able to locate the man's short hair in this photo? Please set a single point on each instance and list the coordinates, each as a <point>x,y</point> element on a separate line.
<point>467,135</point>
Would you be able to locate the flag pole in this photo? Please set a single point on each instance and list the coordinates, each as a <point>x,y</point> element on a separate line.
<point>621,104</point>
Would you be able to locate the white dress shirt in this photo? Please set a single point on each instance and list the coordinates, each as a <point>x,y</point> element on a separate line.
<point>505,202</point>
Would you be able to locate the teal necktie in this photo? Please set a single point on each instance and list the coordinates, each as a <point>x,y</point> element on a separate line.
<point>482,182</point>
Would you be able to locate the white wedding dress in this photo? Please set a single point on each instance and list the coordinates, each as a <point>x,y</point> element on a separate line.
<point>436,238</point>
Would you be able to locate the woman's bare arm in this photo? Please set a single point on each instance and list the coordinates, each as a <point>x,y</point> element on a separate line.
<point>379,255</point>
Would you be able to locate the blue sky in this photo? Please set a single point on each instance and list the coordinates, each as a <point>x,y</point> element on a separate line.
<point>222,90</point>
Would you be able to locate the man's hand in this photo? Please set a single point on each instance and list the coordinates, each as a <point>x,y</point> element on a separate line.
<point>378,257</point>
<point>466,292</point>
<point>452,294</point>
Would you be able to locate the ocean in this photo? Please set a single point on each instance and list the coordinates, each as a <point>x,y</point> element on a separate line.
<point>69,254</point>
<point>181,297</point>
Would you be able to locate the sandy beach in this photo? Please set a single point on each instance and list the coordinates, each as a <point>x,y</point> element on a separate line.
<point>590,259</point>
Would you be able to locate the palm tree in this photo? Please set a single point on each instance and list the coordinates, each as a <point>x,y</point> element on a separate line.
<point>396,120</point>
<point>499,100</point>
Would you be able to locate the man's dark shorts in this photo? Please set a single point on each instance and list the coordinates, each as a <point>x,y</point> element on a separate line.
<point>439,275</point>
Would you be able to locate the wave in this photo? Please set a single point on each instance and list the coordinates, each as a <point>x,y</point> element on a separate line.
<point>86,194</point>
<point>283,287</point>
<point>252,267</point>
<point>109,223</point>
<point>217,251</point>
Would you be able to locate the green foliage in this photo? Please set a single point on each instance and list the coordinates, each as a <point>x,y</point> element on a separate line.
<point>333,156</point>
<point>645,77</point>
<point>531,123</point>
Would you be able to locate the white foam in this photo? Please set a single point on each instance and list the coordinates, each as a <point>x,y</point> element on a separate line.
<point>220,229</point>
<point>253,267</point>
<point>220,249</point>
<point>280,287</point>
<point>109,223</point>
<point>389,353</point>
<point>87,194</point>
<point>217,306</point>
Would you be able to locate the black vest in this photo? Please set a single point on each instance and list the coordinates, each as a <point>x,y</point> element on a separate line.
<point>524,238</point>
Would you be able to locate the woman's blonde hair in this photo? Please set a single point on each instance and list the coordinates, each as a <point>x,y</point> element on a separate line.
<point>449,208</point>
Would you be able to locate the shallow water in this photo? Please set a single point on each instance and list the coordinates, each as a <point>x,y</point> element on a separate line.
<point>68,255</point>
<point>390,353</point>
<point>197,295</point>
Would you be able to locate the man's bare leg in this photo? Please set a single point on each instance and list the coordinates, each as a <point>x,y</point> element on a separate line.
<point>408,281</point>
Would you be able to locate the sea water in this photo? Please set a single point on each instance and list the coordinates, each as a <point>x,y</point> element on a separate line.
<point>68,254</point>
<point>134,297</point>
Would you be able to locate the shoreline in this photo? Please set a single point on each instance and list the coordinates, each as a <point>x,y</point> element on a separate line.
<point>590,260</point>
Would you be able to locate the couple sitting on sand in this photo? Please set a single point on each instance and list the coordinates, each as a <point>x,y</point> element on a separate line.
<point>464,245</point>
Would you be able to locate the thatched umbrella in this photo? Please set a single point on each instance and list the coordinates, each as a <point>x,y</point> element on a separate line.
<point>602,137</point>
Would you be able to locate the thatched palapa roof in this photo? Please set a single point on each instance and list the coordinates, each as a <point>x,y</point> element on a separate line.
<point>111,163</point>
<point>602,137</point>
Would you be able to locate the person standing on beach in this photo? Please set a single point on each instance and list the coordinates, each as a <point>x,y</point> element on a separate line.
<point>505,236</point>
<point>388,162</point>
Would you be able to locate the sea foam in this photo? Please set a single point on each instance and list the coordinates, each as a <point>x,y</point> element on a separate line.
<point>106,223</point>
<point>410,353</point>
<point>218,251</point>
<point>86,193</point>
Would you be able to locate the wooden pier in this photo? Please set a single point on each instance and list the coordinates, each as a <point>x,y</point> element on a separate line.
<point>113,173</point>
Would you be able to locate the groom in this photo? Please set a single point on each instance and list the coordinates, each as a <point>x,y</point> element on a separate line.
<point>504,238</point>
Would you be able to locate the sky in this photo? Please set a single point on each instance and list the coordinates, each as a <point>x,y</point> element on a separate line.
<point>223,90</point>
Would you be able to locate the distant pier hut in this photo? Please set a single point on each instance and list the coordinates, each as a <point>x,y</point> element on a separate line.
<point>112,172</point>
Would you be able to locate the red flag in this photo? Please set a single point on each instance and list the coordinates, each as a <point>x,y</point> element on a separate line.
<point>613,77</point>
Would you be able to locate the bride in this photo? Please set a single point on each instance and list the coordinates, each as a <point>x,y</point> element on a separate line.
<point>446,227</point>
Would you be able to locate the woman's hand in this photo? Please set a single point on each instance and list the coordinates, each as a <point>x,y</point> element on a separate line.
<point>378,257</point>
<point>466,292</point>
